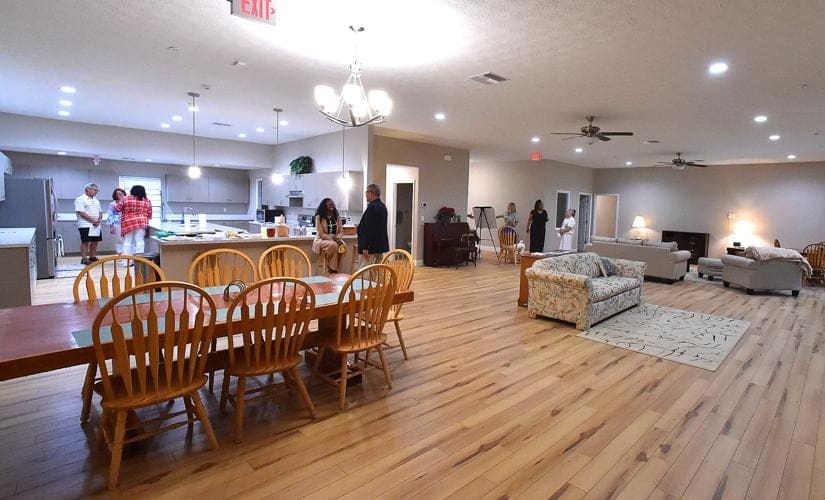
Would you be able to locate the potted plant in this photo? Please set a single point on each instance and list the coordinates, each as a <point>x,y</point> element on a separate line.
<point>446,215</point>
<point>301,165</point>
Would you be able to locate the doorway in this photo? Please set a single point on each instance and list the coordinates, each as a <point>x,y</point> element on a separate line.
<point>585,215</point>
<point>606,215</point>
<point>402,208</point>
<point>403,215</point>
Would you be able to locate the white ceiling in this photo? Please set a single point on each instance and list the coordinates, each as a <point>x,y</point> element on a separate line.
<point>636,65</point>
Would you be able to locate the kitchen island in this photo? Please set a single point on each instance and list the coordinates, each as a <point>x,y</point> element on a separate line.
<point>18,266</point>
<point>178,251</point>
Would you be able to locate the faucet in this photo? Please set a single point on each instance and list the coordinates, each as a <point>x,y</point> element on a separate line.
<point>183,214</point>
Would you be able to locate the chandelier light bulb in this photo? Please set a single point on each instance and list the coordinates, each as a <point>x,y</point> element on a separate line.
<point>345,183</point>
<point>353,94</point>
<point>277,178</point>
<point>194,172</point>
<point>380,102</point>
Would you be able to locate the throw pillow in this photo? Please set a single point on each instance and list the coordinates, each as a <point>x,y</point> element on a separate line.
<point>606,267</point>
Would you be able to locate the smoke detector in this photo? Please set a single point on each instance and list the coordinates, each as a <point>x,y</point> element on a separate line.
<point>96,160</point>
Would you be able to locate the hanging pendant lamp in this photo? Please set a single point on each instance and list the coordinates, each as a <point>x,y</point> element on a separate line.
<point>276,177</point>
<point>194,169</point>
<point>344,182</point>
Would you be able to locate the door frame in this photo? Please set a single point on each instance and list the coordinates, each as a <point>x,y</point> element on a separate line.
<point>592,213</point>
<point>556,204</point>
<point>402,174</point>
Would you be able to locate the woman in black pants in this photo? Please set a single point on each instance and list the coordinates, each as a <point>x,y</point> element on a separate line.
<point>536,223</point>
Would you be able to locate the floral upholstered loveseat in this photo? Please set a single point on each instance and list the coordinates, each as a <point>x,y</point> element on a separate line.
<point>583,288</point>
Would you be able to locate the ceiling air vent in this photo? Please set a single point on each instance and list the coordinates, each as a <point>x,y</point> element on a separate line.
<point>489,78</point>
<point>221,124</point>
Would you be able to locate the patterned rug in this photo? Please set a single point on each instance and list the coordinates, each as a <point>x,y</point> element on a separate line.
<point>695,339</point>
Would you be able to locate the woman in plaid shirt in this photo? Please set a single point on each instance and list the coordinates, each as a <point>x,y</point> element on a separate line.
<point>135,212</point>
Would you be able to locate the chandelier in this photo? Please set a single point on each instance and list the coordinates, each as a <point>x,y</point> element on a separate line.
<point>354,107</point>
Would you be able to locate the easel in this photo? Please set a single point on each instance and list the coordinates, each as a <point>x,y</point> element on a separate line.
<point>483,217</point>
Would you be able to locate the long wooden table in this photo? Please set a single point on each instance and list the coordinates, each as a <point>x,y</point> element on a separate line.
<point>38,339</point>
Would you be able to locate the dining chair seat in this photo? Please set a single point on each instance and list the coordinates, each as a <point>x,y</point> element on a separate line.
<point>251,368</point>
<point>171,390</point>
<point>351,345</point>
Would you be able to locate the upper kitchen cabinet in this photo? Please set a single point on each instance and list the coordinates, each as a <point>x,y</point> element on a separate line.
<point>325,185</point>
<point>275,195</point>
<point>228,190</point>
<point>70,182</point>
<point>183,189</point>
<point>106,180</point>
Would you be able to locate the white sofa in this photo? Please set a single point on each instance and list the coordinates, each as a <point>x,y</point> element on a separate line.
<point>664,260</point>
<point>755,275</point>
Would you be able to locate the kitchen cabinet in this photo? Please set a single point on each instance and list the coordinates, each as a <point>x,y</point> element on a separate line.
<point>325,185</point>
<point>107,181</point>
<point>69,183</point>
<point>228,190</point>
<point>275,195</point>
<point>71,238</point>
<point>183,189</point>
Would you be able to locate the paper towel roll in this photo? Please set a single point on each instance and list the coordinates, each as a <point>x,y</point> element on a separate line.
<point>202,221</point>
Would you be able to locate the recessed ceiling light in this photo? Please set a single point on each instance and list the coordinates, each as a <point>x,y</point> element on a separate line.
<point>760,118</point>
<point>177,118</point>
<point>68,89</point>
<point>628,163</point>
<point>774,137</point>
<point>193,108</point>
<point>717,68</point>
<point>259,130</point>
<point>440,116</point>
<point>164,125</point>
<point>65,103</point>
<point>792,157</point>
<point>63,112</point>
<point>579,150</point>
<point>283,123</point>
<point>148,159</point>
<point>61,153</point>
<point>242,135</point>
<point>535,139</point>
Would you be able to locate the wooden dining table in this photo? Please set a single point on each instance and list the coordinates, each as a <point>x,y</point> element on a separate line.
<point>38,339</point>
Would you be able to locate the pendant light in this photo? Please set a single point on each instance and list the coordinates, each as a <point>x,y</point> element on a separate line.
<point>194,169</point>
<point>344,182</point>
<point>276,177</point>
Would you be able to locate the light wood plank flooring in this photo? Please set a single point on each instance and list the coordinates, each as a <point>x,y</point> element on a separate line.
<point>490,404</point>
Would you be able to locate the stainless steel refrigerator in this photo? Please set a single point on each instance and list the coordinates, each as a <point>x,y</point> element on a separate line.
<point>31,203</point>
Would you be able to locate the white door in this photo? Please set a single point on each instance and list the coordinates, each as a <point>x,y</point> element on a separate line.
<point>408,222</point>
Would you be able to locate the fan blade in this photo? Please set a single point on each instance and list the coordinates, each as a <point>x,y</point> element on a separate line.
<point>574,137</point>
<point>664,163</point>
<point>602,137</point>
<point>690,163</point>
<point>616,133</point>
<point>567,133</point>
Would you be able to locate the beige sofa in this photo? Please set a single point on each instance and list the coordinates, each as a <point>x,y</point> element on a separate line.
<point>767,275</point>
<point>663,260</point>
<point>573,288</point>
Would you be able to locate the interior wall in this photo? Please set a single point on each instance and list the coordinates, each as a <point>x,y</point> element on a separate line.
<point>784,201</point>
<point>44,135</point>
<point>441,182</point>
<point>605,215</point>
<point>523,182</point>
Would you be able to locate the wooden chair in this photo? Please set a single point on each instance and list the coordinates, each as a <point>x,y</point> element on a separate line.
<point>284,261</point>
<point>273,320</point>
<point>218,268</point>
<point>363,306</point>
<point>815,253</point>
<point>403,264</point>
<point>507,240</point>
<point>160,350</point>
<point>118,273</point>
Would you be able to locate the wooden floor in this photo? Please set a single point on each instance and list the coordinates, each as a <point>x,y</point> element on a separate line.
<point>490,404</point>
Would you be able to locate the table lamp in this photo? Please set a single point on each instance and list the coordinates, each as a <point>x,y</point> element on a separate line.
<point>639,225</point>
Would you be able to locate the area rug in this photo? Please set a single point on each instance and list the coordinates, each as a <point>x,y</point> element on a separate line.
<point>695,339</point>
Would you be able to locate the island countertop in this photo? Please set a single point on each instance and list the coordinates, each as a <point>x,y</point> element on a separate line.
<point>14,237</point>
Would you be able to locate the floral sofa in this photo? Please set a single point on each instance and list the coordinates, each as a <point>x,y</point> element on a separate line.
<point>583,288</point>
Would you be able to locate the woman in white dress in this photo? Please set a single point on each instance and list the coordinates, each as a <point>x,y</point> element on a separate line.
<point>567,230</point>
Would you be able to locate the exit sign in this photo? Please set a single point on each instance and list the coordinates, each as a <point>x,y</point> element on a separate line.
<point>255,10</point>
<point>535,156</point>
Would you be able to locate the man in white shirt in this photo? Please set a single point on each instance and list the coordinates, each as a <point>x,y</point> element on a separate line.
<point>89,215</point>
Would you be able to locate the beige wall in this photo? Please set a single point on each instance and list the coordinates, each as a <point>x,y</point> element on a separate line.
<point>441,182</point>
<point>785,201</point>
<point>604,218</point>
<point>523,182</point>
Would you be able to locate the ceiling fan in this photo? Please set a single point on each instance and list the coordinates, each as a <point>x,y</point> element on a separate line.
<point>593,131</point>
<point>679,163</point>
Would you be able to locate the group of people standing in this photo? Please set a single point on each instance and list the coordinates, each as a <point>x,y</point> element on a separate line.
<point>372,231</point>
<point>128,217</point>
<point>536,226</point>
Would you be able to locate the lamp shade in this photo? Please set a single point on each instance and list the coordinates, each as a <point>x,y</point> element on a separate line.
<point>639,222</point>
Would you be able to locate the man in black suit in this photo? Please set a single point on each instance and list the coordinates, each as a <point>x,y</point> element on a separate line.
<point>372,229</point>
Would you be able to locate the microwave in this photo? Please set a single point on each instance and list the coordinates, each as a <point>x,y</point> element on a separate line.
<point>267,214</point>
